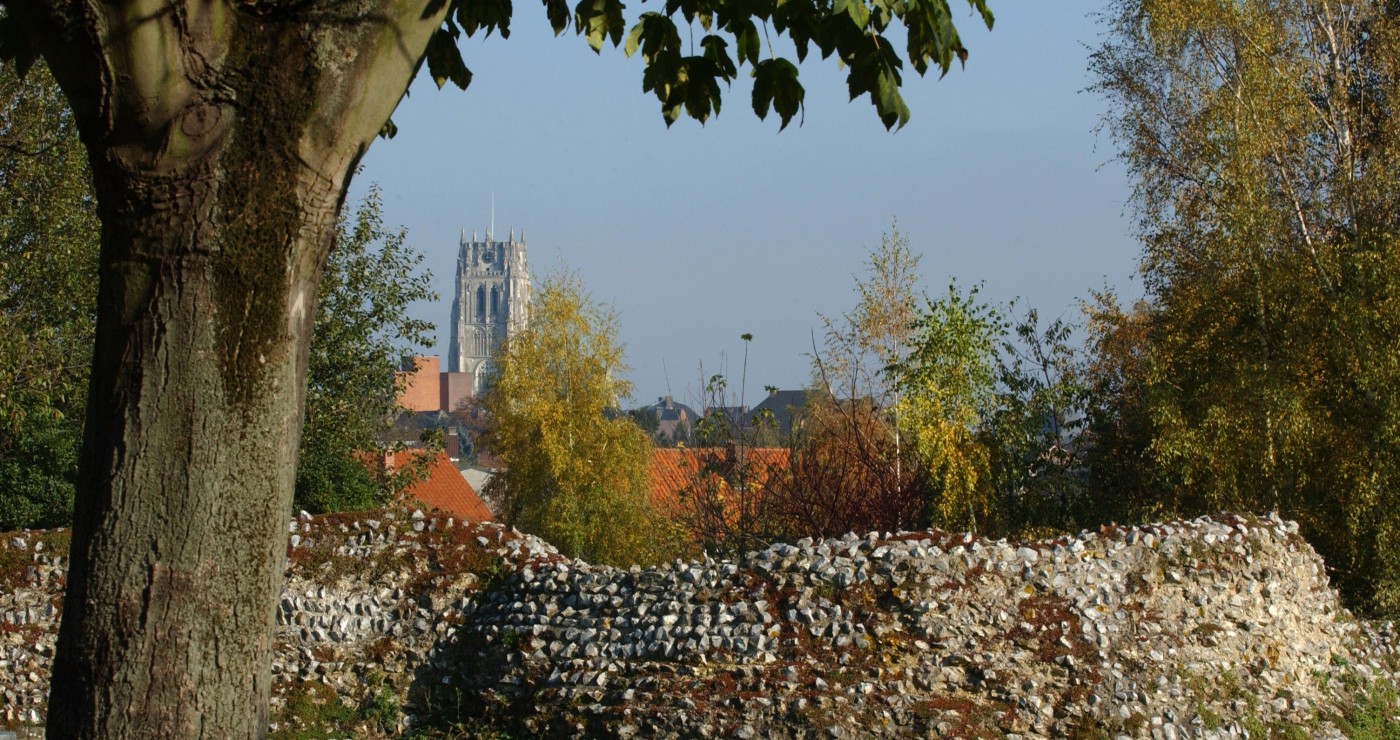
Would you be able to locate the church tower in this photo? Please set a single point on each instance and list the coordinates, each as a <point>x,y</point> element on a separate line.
<point>491,301</point>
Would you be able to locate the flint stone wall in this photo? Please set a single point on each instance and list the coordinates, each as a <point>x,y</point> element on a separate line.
<point>1204,628</point>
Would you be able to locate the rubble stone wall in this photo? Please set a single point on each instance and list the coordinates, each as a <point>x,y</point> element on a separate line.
<point>1210,627</point>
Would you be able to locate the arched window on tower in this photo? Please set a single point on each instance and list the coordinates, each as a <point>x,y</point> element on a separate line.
<point>480,302</point>
<point>495,300</point>
<point>481,379</point>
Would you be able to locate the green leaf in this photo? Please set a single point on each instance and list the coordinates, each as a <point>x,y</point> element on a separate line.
<point>885,11</point>
<point>701,87</point>
<point>599,20</point>
<point>839,36</point>
<point>634,37</point>
<point>775,85</point>
<point>662,77</point>
<point>558,13</point>
<point>684,83</point>
<point>801,22</point>
<point>653,34</point>
<point>716,51</point>
<point>981,7</point>
<point>856,10</point>
<point>875,72</point>
<point>746,41</point>
<point>445,60</point>
<point>889,103</point>
<point>615,21</point>
<point>488,14</point>
<point>690,10</point>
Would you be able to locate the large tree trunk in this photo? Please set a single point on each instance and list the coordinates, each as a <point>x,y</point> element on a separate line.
<point>222,137</point>
<point>188,457</point>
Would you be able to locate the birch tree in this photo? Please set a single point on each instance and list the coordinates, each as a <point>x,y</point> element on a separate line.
<point>574,468</point>
<point>1263,145</point>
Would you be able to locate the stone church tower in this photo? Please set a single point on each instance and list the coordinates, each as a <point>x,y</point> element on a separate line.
<point>491,301</point>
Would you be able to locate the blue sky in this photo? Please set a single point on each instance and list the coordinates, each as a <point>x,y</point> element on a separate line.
<point>698,234</point>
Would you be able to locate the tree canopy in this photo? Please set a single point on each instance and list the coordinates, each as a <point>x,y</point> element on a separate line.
<point>48,286</point>
<point>1263,145</point>
<point>574,470</point>
<point>686,77</point>
<point>852,469</point>
<point>363,330</point>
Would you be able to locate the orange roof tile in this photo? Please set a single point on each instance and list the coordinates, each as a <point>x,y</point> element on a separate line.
<point>444,488</point>
<point>672,471</point>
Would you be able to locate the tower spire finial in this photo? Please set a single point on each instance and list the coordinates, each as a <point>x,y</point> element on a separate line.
<point>492,232</point>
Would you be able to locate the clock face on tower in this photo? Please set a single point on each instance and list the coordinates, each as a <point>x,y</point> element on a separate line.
<point>486,257</point>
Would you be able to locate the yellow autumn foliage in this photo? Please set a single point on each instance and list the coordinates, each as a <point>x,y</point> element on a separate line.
<point>1264,147</point>
<point>574,473</point>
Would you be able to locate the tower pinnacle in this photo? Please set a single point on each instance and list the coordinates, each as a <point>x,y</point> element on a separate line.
<point>490,301</point>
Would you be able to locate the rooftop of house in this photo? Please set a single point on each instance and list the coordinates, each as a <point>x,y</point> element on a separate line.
<point>670,472</point>
<point>782,404</point>
<point>668,409</point>
<point>444,488</point>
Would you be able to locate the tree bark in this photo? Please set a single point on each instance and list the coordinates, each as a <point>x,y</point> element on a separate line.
<point>222,138</point>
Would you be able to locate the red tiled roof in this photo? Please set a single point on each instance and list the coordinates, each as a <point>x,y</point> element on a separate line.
<point>444,488</point>
<point>671,471</point>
